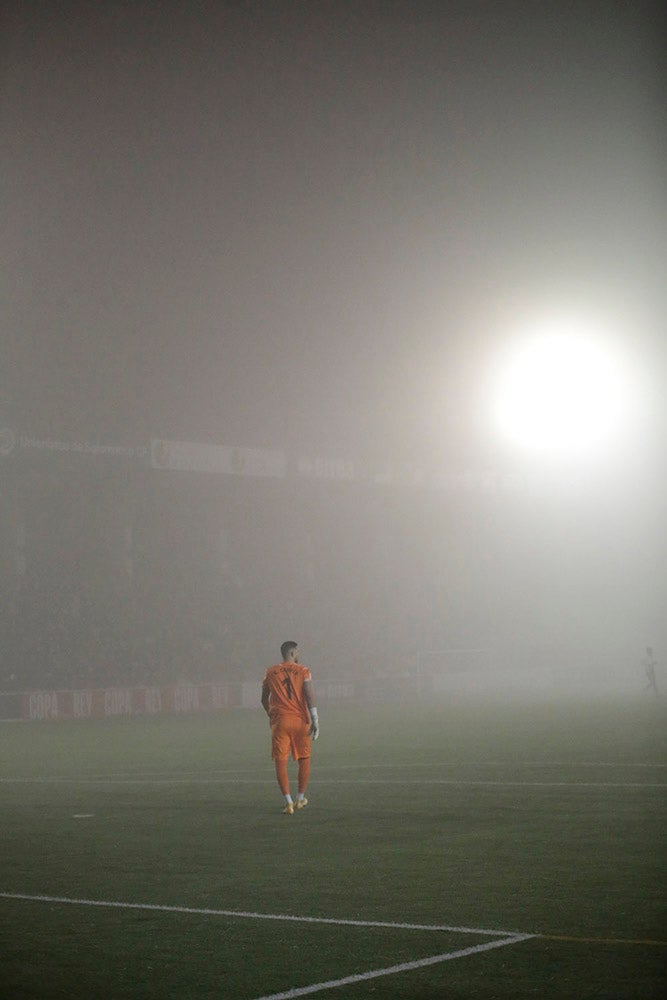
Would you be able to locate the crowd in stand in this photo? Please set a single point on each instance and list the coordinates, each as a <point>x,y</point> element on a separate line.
<point>58,636</point>
<point>105,585</point>
<point>93,637</point>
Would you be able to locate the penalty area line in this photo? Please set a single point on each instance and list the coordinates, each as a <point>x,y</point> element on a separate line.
<point>507,936</point>
<point>602,940</point>
<point>249,915</point>
<point>421,963</point>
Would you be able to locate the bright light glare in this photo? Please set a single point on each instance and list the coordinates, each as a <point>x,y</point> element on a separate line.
<point>561,392</point>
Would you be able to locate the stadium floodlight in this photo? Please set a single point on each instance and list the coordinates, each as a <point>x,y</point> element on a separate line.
<point>561,390</point>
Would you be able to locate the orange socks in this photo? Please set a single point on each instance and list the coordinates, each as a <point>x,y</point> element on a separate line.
<point>281,775</point>
<point>304,773</point>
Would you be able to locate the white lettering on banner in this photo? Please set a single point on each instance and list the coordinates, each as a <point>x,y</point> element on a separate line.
<point>339,691</point>
<point>153,701</point>
<point>80,447</point>
<point>118,701</point>
<point>82,704</point>
<point>219,696</point>
<point>43,705</point>
<point>193,456</point>
<point>325,468</point>
<point>186,699</point>
<point>7,441</point>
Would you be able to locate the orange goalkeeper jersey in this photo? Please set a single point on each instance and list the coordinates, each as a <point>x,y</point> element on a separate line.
<point>285,684</point>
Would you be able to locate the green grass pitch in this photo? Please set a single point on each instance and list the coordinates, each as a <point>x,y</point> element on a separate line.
<point>437,836</point>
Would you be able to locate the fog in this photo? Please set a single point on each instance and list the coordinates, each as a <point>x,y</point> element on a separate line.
<point>258,261</point>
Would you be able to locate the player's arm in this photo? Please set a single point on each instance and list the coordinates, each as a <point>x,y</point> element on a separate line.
<point>266,694</point>
<point>309,695</point>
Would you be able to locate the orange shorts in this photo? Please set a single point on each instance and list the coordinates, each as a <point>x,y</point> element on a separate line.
<point>289,734</point>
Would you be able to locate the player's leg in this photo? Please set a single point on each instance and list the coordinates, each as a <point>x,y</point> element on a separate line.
<point>303,775</point>
<point>282,776</point>
<point>302,748</point>
<point>280,747</point>
<point>283,783</point>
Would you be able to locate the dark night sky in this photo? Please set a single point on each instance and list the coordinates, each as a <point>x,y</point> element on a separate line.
<point>306,223</point>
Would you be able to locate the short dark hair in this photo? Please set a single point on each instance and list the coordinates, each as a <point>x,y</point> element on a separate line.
<point>287,648</point>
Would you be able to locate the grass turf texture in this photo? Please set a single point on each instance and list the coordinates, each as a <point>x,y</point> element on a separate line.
<point>542,819</point>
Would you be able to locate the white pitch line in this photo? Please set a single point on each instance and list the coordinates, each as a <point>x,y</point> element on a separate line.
<point>249,915</point>
<point>501,784</point>
<point>489,763</point>
<point>136,781</point>
<point>405,766</point>
<point>335,781</point>
<point>421,963</point>
<point>506,937</point>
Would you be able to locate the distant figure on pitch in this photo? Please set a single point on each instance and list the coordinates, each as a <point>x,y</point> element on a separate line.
<point>289,701</point>
<point>650,663</point>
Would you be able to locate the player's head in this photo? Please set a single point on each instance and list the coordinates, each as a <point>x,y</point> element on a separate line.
<point>288,651</point>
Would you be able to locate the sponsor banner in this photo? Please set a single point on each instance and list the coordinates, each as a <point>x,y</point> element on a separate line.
<point>325,692</point>
<point>325,468</point>
<point>147,701</point>
<point>183,698</point>
<point>7,441</point>
<point>191,456</point>
<point>334,691</point>
<point>199,457</point>
<point>13,443</point>
<point>397,474</point>
<point>10,705</point>
<point>111,703</point>
<point>45,705</point>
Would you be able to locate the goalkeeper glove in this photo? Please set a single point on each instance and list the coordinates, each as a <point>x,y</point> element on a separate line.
<point>314,730</point>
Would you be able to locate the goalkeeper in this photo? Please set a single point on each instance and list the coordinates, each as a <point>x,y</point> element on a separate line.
<point>289,701</point>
